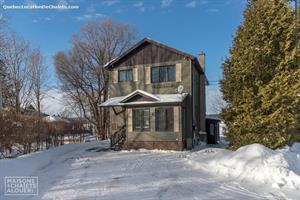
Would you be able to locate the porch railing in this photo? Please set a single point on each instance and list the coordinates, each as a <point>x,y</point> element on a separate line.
<point>118,137</point>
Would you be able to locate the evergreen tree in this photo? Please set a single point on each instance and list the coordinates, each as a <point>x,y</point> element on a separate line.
<point>262,76</point>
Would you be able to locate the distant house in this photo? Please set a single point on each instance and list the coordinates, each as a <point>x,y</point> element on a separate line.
<point>77,123</point>
<point>157,96</point>
<point>74,129</point>
<point>73,125</point>
<point>30,111</point>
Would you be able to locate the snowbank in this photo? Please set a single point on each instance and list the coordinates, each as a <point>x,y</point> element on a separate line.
<point>296,148</point>
<point>255,163</point>
<point>91,171</point>
<point>30,164</point>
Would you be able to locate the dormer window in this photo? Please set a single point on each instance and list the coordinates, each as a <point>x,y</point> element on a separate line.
<point>163,74</point>
<point>125,75</point>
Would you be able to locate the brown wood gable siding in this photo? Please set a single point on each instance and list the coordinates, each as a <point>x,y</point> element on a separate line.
<point>148,54</point>
<point>139,97</point>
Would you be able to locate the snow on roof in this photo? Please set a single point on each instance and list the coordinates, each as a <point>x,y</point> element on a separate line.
<point>141,92</point>
<point>112,60</point>
<point>53,118</point>
<point>160,98</point>
<point>214,117</point>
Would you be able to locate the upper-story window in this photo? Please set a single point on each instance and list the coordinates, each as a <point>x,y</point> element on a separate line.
<point>163,74</point>
<point>125,75</point>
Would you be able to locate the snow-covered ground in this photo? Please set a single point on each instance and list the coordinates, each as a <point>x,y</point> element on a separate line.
<point>91,171</point>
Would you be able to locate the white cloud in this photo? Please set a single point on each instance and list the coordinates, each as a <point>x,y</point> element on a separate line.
<point>62,2</point>
<point>212,10</point>
<point>83,17</point>
<point>91,9</point>
<point>56,102</point>
<point>53,102</point>
<point>30,3</point>
<point>119,10</point>
<point>47,18</point>
<point>142,9</point>
<point>110,2</point>
<point>140,6</point>
<point>191,4</point>
<point>89,16</point>
<point>99,15</point>
<point>214,101</point>
<point>166,3</point>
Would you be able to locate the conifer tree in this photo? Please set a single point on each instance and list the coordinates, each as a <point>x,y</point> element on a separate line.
<point>262,76</point>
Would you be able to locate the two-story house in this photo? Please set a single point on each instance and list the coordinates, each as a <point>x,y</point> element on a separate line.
<point>157,96</point>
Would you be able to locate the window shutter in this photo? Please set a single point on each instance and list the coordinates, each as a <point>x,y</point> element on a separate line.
<point>115,76</point>
<point>176,119</point>
<point>129,120</point>
<point>135,74</point>
<point>148,75</point>
<point>178,72</point>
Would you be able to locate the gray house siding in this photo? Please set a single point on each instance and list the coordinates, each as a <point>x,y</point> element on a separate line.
<point>124,88</point>
<point>152,135</point>
<point>202,103</point>
<point>141,60</point>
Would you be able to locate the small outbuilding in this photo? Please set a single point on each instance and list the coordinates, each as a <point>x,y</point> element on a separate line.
<point>212,128</point>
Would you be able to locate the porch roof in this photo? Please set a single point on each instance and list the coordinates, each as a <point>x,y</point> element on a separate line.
<point>155,99</point>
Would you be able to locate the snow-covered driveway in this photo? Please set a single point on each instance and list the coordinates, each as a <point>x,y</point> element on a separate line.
<point>88,171</point>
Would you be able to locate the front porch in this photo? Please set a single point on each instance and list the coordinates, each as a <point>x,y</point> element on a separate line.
<point>143,120</point>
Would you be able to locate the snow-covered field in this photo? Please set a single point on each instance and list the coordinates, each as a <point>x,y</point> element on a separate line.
<point>91,171</point>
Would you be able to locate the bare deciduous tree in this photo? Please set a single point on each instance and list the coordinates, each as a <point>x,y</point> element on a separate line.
<point>38,72</point>
<point>15,58</point>
<point>215,103</point>
<point>81,70</point>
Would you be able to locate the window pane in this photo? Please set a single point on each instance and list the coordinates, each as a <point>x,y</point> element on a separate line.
<point>136,120</point>
<point>141,119</point>
<point>146,125</point>
<point>122,75</point>
<point>170,119</point>
<point>171,73</point>
<point>162,74</point>
<point>154,74</point>
<point>129,75</point>
<point>158,119</point>
<point>164,119</point>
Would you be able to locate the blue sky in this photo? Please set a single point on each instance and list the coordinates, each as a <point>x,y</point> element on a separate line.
<point>188,25</point>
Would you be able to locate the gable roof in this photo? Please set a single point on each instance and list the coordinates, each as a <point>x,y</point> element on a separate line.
<point>157,99</point>
<point>114,61</point>
<point>139,92</point>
